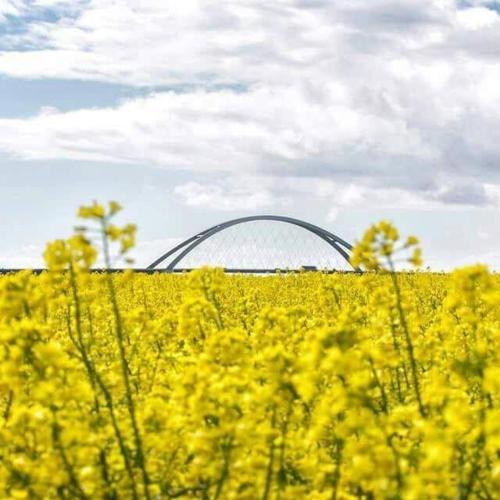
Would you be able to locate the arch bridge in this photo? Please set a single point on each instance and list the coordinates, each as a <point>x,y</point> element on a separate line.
<point>173,259</point>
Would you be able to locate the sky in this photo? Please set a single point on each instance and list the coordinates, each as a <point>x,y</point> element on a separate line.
<point>190,113</point>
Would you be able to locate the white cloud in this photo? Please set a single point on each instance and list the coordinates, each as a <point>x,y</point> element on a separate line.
<point>227,198</point>
<point>254,193</point>
<point>395,101</point>
<point>9,8</point>
<point>465,193</point>
<point>477,18</point>
<point>220,130</point>
<point>333,214</point>
<point>146,42</point>
<point>27,256</point>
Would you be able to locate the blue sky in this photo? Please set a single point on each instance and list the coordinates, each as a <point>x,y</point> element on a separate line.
<point>190,113</point>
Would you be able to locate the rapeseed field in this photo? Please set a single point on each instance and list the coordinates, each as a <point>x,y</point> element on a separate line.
<point>373,385</point>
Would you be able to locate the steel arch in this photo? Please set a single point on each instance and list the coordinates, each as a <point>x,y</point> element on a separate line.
<point>338,244</point>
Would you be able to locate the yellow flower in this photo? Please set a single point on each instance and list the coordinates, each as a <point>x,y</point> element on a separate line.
<point>114,207</point>
<point>94,211</point>
<point>374,385</point>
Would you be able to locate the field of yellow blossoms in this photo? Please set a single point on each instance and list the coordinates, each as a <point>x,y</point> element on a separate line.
<point>314,386</point>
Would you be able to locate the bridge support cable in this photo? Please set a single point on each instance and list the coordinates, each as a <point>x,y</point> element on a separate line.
<point>183,249</point>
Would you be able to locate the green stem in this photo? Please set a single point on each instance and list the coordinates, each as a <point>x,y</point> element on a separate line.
<point>74,484</point>
<point>97,381</point>
<point>409,343</point>
<point>121,442</point>
<point>227,447</point>
<point>378,383</point>
<point>8,406</point>
<point>119,334</point>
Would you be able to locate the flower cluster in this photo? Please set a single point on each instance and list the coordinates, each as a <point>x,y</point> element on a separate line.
<point>379,246</point>
<point>374,385</point>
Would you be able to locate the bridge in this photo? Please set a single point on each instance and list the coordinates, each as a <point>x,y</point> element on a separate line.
<point>259,247</point>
